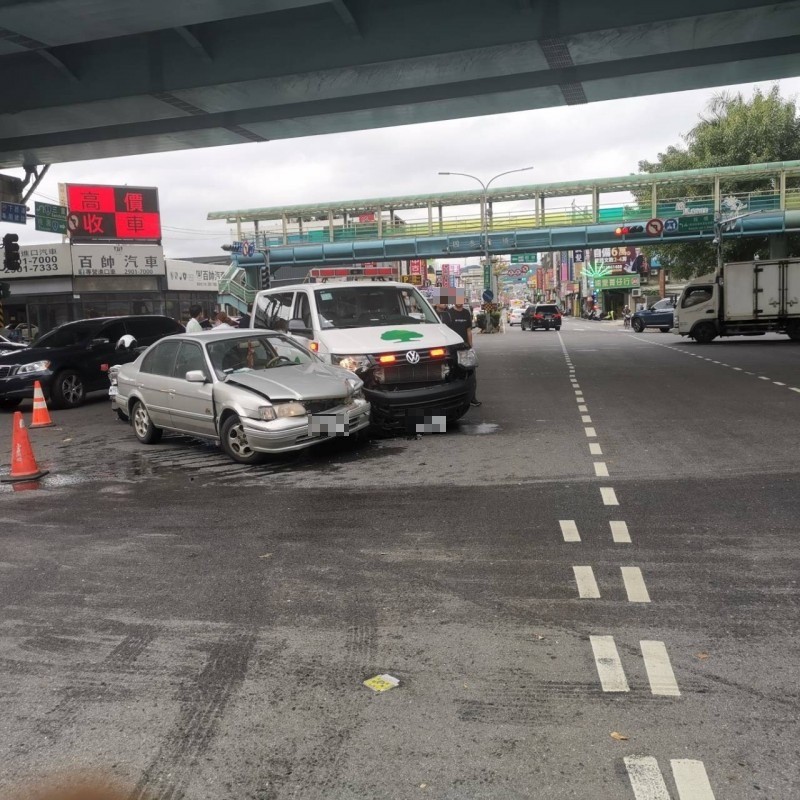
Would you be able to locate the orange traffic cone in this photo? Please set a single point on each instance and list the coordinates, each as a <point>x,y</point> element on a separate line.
<point>23,464</point>
<point>41,416</point>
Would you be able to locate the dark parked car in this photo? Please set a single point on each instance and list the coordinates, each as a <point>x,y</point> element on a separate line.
<point>73,359</point>
<point>659,315</point>
<point>542,315</point>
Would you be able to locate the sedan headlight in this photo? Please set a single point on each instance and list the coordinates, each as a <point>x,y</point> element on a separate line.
<point>353,363</point>
<point>266,413</point>
<point>291,409</point>
<point>34,366</point>
<point>355,389</point>
<point>468,358</point>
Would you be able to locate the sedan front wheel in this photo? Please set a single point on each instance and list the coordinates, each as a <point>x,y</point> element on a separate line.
<point>233,440</point>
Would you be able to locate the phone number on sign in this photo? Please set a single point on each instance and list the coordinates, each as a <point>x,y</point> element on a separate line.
<point>39,264</point>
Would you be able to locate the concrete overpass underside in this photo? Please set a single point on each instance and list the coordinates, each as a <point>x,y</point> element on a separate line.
<point>85,79</point>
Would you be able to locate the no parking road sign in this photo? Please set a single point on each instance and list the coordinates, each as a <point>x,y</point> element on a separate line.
<point>654,227</point>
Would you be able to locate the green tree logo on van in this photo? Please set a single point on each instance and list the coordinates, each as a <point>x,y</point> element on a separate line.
<point>400,336</point>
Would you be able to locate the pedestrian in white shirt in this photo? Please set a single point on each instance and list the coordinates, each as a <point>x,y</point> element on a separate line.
<point>193,325</point>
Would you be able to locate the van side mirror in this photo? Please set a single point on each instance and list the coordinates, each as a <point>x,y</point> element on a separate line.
<point>298,327</point>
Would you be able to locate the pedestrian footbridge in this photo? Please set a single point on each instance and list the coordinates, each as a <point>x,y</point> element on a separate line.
<point>529,218</point>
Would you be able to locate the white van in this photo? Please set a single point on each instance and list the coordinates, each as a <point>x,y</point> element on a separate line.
<point>385,332</point>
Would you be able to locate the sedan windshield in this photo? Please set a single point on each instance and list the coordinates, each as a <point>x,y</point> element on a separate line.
<point>263,351</point>
<point>370,305</point>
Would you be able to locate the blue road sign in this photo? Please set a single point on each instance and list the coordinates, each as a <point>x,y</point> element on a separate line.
<point>670,226</point>
<point>14,212</point>
<point>488,296</point>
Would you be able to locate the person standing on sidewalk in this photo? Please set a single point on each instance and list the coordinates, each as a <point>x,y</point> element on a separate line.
<point>459,319</point>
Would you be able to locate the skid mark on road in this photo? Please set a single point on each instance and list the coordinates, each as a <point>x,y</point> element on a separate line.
<point>202,704</point>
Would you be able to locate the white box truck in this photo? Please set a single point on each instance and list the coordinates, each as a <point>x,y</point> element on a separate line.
<point>748,298</point>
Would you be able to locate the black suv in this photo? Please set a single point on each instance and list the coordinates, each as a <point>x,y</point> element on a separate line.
<point>74,358</point>
<point>542,315</point>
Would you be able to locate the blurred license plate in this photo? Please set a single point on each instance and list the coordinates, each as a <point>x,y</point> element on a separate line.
<point>329,424</point>
<point>112,391</point>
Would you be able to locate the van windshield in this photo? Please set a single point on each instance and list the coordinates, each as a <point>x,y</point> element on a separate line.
<point>362,306</point>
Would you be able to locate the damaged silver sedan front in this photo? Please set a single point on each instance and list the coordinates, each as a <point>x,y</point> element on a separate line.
<point>252,392</point>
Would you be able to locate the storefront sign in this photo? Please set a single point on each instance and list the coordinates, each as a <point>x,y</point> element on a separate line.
<point>617,282</point>
<point>188,276</point>
<point>103,213</point>
<point>46,261</point>
<point>117,259</point>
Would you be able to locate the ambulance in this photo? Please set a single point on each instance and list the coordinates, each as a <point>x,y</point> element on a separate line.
<point>384,331</point>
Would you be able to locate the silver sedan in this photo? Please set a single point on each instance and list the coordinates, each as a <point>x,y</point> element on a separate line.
<point>253,392</point>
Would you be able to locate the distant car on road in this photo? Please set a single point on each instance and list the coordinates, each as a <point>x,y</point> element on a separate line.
<point>659,315</point>
<point>514,317</point>
<point>542,315</point>
<point>251,391</point>
<point>73,359</point>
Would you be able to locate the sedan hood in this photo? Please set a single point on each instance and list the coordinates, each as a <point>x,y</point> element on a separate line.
<point>308,382</point>
<point>387,339</point>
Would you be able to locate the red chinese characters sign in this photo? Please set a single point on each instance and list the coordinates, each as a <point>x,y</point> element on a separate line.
<point>113,213</point>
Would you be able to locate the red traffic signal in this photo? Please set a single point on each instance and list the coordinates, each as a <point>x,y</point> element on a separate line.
<point>624,230</point>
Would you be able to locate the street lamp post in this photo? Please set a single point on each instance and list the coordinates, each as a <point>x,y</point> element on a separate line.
<point>487,264</point>
<point>721,224</point>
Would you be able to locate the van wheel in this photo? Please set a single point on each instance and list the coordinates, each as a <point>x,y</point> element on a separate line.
<point>794,332</point>
<point>704,333</point>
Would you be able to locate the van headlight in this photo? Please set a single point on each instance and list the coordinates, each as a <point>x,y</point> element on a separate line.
<point>467,358</point>
<point>353,363</point>
<point>34,366</point>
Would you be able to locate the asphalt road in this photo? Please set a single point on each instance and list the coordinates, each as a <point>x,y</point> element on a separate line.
<point>194,628</point>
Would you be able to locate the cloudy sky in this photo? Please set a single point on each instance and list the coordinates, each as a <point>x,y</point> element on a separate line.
<point>570,143</point>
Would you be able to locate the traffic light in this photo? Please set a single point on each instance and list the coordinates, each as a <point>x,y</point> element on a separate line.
<point>624,230</point>
<point>11,262</point>
<point>263,276</point>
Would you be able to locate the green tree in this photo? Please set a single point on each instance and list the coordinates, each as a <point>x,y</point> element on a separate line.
<point>732,131</point>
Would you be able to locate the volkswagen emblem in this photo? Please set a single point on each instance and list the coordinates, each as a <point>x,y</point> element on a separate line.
<point>412,356</point>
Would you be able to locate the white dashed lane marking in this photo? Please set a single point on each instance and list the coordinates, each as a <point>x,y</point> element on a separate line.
<point>619,532</point>
<point>595,449</point>
<point>609,496</point>
<point>583,408</point>
<point>608,663</point>
<point>646,779</point>
<point>600,469</point>
<point>691,779</point>
<point>590,432</point>
<point>586,419</point>
<point>587,585</point>
<point>569,530</point>
<point>634,585</point>
<point>659,669</point>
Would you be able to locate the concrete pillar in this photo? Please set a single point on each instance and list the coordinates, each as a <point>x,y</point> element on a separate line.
<point>238,229</point>
<point>541,207</point>
<point>778,245</point>
<point>654,200</point>
<point>441,221</point>
<point>255,231</point>
<point>285,226</point>
<point>782,184</point>
<point>595,204</point>
<point>717,196</point>
<point>536,209</point>
<point>379,214</point>
<point>330,226</point>
<point>430,219</point>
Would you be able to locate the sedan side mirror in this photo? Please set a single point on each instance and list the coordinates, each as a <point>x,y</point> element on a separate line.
<point>196,376</point>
